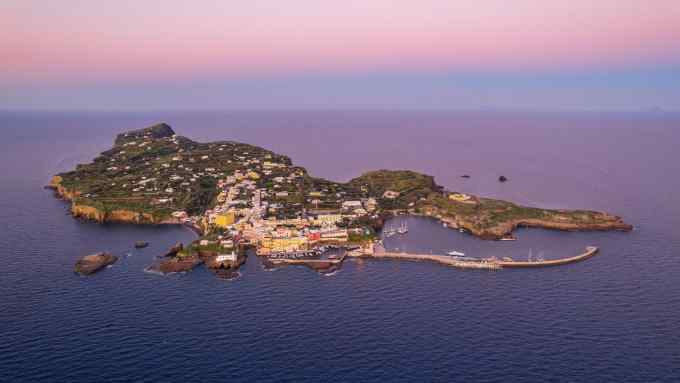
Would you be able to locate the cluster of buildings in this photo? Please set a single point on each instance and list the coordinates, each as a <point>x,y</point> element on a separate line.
<point>246,209</point>
<point>261,199</point>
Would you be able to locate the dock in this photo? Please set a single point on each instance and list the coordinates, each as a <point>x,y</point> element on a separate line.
<point>489,264</point>
<point>447,260</point>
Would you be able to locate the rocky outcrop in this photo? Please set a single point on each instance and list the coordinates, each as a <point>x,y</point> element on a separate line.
<point>87,212</point>
<point>60,190</point>
<point>90,264</point>
<point>178,264</point>
<point>174,250</point>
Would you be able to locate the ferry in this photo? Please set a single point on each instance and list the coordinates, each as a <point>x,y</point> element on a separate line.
<point>455,253</point>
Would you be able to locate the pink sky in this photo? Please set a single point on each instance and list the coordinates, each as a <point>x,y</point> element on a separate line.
<point>46,41</point>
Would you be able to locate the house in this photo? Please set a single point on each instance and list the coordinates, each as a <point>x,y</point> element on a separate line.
<point>226,257</point>
<point>224,220</point>
<point>351,205</point>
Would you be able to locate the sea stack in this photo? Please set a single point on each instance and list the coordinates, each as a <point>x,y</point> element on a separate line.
<point>90,264</point>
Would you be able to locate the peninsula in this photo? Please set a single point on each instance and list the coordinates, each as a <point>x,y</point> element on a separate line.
<point>236,195</point>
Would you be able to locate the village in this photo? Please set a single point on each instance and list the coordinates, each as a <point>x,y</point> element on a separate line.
<point>246,213</point>
<point>255,197</point>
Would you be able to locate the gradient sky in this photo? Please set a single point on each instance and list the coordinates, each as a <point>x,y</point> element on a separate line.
<point>250,54</point>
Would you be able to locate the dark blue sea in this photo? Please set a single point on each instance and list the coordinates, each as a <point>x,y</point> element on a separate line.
<point>613,318</point>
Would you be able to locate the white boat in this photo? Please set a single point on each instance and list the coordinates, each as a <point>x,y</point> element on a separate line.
<point>456,253</point>
<point>403,229</point>
<point>508,238</point>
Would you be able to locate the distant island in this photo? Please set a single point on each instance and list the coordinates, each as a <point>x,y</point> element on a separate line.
<point>237,195</point>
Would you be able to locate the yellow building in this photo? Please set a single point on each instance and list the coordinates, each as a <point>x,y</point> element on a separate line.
<point>224,220</point>
<point>253,176</point>
<point>460,197</point>
<point>284,244</point>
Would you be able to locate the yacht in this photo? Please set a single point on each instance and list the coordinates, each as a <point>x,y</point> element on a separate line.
<point>456,253</point>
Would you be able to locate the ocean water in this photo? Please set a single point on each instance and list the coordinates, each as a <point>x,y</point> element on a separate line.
<point>613,318</point>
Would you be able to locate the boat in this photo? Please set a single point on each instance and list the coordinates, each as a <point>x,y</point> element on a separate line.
<point>508,238</point>
<point>456,253</point>
<point>141,244</point>
<point>403,229</point>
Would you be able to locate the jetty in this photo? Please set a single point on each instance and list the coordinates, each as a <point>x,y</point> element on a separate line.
<point>488,263</point>
<point>590,251</point>
<point>308,261</point>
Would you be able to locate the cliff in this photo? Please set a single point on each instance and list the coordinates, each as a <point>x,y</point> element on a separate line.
<point>82,210</point>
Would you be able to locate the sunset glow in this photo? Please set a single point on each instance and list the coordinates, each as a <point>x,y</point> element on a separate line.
<point>92,42</point>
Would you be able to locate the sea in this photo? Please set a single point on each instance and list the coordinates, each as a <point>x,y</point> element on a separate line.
<point>612,318</point>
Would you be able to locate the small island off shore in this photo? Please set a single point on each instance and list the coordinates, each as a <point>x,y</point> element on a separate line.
<point>237,195</point>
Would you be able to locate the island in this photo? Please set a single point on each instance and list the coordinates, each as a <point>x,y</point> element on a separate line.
<point>236,195</point>
<point>93,263</point>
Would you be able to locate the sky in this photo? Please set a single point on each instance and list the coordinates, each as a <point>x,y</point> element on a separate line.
<point>319,54</point>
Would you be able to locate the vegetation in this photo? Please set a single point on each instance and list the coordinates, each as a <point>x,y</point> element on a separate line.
<point>154,172</point>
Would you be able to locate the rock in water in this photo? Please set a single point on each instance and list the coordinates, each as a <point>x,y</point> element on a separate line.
<point>141,244</point>
<point>502,179</point>
<point>179,264</point>
<point>174,250</point>
<point>90,264</point>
